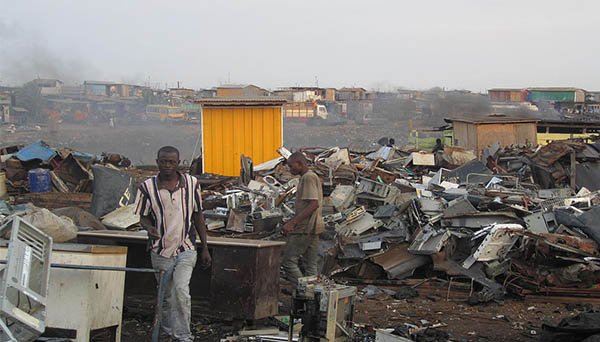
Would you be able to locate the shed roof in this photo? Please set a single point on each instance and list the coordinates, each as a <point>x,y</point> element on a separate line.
<point>492,119</point>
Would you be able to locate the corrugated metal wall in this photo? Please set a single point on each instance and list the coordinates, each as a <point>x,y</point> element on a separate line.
<point>228,132</point>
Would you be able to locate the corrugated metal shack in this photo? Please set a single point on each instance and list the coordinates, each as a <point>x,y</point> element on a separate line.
<point>235,126</point>
<point>477,134</point>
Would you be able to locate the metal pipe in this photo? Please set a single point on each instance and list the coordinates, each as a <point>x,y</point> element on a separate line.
<point>100,268</point>
<point>291,324</point>
<point>162,283</point>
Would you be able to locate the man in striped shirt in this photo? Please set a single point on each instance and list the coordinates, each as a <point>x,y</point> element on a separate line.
<point>169,204</point>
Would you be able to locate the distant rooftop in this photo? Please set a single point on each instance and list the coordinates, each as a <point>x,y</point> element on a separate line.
<point>98,82</point>
<point>554,89</point>
<point>234,86</point>
<point>301,88</point>
<point>352,89</point>
<point>242,101</point>
<point>46,81</point>
<point>507,89</point>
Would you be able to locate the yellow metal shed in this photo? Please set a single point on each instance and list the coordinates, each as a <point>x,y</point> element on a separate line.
<point>232,127</point>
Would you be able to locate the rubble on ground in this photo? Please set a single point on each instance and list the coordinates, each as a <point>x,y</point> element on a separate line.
<point>68,171</point>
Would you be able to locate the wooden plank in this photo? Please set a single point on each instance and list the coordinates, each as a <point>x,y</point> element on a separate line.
<point>53,200</point>
<point>93,249</point>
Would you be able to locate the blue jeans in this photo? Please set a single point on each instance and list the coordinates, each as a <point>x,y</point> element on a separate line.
<point>177,306</point>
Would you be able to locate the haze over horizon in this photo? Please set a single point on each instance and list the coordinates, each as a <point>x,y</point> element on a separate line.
<point>380,45</point>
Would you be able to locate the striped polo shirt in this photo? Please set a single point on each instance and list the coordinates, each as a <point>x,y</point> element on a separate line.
<point>171,213</point>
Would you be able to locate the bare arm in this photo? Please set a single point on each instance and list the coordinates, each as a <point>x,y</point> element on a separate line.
<point>310,208</point>
<point>198,220</point>
<point>146,223</point>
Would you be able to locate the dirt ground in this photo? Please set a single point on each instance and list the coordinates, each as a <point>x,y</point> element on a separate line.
<point>512,319</point>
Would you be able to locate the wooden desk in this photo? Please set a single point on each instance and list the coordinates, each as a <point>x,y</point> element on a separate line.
<point>242,283</point>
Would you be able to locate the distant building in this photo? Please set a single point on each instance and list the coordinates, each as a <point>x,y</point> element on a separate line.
<point>286,93</point>
<point>97,88</point>
<point>351,94</point>
<point>404,94</point>
<point>241,90</point>
<point>105,88</point>
<point>592,96</point>
<point>514,95</point>
<point>307,94</point>
<point>203,93</point>
<point>360,110</point>
<point>72,91</point>
<point>18,115</point>
<point>48,86</point>
<point>181,92</point>
<point>120,89</point>
<point>330,94</point>
<point>564,100</point>
<point>556,94</point>
<point>6,102</point>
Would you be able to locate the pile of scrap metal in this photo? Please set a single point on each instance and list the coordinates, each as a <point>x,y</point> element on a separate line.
<point>560,163</point>
<point>69,171</point>
<point>264,196</point>
<point>496,231</point>
<point>86,188</point>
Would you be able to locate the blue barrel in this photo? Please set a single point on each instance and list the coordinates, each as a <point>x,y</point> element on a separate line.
<point>39,180</point>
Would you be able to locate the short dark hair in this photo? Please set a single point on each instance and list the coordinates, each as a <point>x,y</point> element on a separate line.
<point>298,156</point>
<point>167,149</point>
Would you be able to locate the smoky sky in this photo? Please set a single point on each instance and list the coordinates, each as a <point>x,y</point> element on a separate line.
<point>380,45</point>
